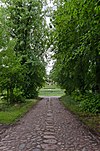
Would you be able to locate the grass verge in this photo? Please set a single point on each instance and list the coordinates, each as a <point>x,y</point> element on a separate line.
<point>13,113</point>
<point>89,119</point>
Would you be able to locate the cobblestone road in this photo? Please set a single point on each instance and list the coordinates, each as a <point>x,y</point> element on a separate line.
<point>48,127</point>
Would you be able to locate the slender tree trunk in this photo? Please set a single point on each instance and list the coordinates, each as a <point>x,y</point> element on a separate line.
<point>11,95</point>
<point>97,71</point>
<point>7,95</point>
<point>81,76</point>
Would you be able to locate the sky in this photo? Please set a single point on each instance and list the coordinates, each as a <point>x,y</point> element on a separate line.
<point>51,61</point>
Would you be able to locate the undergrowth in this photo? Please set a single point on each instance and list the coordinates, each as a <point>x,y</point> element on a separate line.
<point>86,108</point>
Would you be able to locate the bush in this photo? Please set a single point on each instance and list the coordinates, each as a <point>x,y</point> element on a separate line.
<point>18,96</point>
<point>90,103</point>
<point>77,96</point>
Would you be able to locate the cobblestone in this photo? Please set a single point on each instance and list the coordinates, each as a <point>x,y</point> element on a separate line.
<point>48,127</point>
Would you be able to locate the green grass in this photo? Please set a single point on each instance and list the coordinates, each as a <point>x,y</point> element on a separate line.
<point>13,113</point>
<point>70,104</point>
<point>52,86</point>
<point>89,119</point>
<point>51,90</point>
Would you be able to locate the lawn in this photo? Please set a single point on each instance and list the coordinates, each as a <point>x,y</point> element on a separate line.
<point>51,90</point>
<point>11,114</point>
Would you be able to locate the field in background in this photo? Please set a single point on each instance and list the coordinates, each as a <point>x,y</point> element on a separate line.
<point>51,90</point>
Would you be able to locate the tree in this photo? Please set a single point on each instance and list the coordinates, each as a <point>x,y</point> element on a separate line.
<point>10,73</point>
<point>77,35</point>
<point>25,26</point>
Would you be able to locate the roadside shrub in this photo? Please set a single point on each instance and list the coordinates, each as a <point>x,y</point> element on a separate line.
<point>18,96</point>
<point>77,96</point>
<point>90,103</point>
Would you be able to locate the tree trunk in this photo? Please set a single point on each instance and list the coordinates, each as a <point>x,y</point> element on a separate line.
<point>7,95</point>
<point>97,71</point>
<point>11,95</point>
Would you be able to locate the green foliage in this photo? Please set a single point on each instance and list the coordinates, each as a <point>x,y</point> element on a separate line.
<point>77,96</point>
<point>18,96</point>
<point>10,71</point>
<point>88,117</point>
<point>77,45</point>
<point>22,46</point>
<point>70,103</point>
<point>90,103</point>
<point>77,50</point>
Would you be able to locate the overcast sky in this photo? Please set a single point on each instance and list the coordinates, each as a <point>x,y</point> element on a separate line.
<point>51,61</point>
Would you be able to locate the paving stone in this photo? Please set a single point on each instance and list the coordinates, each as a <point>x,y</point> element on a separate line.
<point>48,146</point>
<point>49,133</point>
<point>49,137</point>
<point>50,130</point>
<point>50,141</point>
<point>22,146</point>
<point>49,122</point>
<point>49,114</point>
<point>36,149</point>
<point>48,127</point>
<point>38,146</point>
<point>59,143</point>
<point>84,149</point>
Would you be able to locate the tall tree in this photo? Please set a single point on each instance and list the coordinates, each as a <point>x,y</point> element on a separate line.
<point>76,30</point>
<point>25,24</point>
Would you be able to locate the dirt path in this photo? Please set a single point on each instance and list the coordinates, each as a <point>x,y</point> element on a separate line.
<point>49,127</point>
